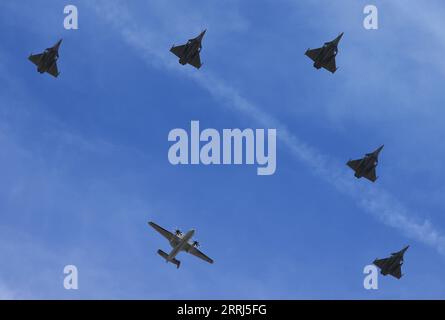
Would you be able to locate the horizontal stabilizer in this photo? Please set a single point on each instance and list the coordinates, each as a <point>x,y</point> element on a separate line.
<point>165,256</point>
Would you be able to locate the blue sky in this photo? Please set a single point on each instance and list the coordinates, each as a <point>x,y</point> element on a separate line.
<point>84,157</point>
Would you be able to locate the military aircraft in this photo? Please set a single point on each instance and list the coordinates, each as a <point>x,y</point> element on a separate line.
<point>179,242</point>
<point>365,167</point>
<point>324,57</point>
<point>392,265</point>
<point>47,61</point>
<point>189,52</point>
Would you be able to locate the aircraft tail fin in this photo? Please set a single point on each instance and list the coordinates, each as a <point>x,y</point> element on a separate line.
<point>165,256</point>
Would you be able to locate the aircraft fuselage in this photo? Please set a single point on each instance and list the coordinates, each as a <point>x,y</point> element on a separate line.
<point>178,245</point>
<point>48,59</point>
<point>327,53</point>
<point>394,262</point>
<point>193,47</point>
<point>366,165</point>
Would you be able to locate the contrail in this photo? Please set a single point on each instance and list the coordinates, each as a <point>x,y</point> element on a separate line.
<point>372,199</point>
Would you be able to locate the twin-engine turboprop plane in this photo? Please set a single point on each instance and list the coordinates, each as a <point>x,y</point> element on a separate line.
<point>179,242</point>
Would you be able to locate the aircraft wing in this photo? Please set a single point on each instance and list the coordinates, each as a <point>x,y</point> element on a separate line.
<point>313,54</point>
<point>331,66</point>
<point>397,273</point>
<point>381,263</point>
<point>35,58</point>
<point>354,164</point>
<point>196,61</point>
<point>167,234</point>
<point>178,50</point>
<point>193,251</point>
<point>53,70</point>
<point>371,175</point>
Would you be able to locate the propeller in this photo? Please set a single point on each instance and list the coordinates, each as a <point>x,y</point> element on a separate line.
<point>178,232</point>
<point>196,244</point>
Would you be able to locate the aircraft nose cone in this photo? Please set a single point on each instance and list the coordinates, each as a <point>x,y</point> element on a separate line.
<point>380,149</point>
<point>202,34</point>
<point>339,37</point>
<point>58,43</point>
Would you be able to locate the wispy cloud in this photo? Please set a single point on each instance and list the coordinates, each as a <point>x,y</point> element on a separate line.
<point>372,199</point>
<point>6,293</point>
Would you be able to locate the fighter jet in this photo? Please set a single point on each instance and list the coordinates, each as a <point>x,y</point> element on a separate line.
<point>392,265</point>
<point>189,52</point>
<point>365,167</point>
<point>325,56</point>
<point>47,61</point>
<point>179,242</point>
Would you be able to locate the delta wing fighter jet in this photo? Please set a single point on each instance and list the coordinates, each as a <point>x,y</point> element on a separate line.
<point>365,167</point>
<point>392,265</point>
<point>47,61</point>
<point>324,57</point>
<point>189,52</point>
<point>179,242</point>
